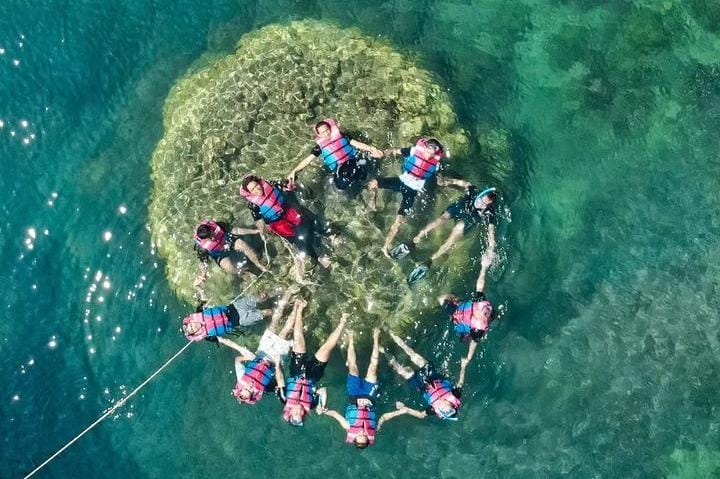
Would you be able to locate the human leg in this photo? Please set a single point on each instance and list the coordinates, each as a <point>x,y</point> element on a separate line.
<point>228,265</point>
<point>280,310</point>
<point>431,226</point>
<point>392,232</point>
<point>371,375</point>
<point>402,370</point>
<point>351,356</point>
<point>323,353</point>
<point>298,333</point>
<point>249,252</point>
<point>417,360</point>
<point>455,235</point>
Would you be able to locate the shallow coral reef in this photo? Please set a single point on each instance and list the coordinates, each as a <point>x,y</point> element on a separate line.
<point>252,111</point>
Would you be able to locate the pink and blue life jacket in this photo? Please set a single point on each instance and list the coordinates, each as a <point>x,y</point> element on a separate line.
<point>423,162</point>
<point>362,420</point>
<point>438,389</point>
<point>213,322</point>
<point>470,316</point>
<point>300,391</point>
<point>258,374</point>
<point>270,202</point>
<point>335,150</point>
<point>218,242</point>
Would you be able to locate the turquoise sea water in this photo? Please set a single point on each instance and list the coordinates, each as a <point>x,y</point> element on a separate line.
<point>606,363</point>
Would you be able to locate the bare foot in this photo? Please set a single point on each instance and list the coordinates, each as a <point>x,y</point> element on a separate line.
<point>324,261</point>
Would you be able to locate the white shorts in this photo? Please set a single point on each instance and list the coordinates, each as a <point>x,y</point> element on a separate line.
<point>273,345</point>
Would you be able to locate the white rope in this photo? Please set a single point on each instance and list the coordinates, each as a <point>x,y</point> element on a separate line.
<point>249,286</point>
<point>122,401</point>
<point>110,411</point>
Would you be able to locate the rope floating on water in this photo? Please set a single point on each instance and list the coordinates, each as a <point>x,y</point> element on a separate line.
<point>123,400</point>
<point>109,411</point>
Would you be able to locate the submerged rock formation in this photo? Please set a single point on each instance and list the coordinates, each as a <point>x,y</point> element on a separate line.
<point>252,111</point>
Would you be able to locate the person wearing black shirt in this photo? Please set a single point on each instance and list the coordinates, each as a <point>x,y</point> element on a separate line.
<point>473,208</point>
<point>341,155</point>
<point>300,393</point>
<point>232,255</point>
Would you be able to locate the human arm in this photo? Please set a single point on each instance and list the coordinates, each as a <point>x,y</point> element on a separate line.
<point>321,400</point>
<point>464,362</point>
<point>487,259</point>
<point>401,409</point>
<point>335,415</point>
<point>398,151</point>
<point>374,152</point>
<point>246,354</point>
<point>443,181</point>
<point>246,231</point>
<point>300,166</point>
<point>280,379</point>
<point>491,244</point>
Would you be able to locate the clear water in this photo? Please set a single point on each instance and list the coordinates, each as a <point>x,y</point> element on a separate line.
<point>606,364</point>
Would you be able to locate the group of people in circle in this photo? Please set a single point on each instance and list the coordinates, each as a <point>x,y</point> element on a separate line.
<point>262,372</point>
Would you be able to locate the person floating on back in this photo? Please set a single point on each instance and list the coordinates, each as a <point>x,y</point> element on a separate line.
<point>471,318</point>
<point>269,206</point>
<point>343,157</point>
<point>420,164</point>
<point>212,323</point>
<point>255,372</point>
<point>214,240</point>
<point>300,393</point>
<point>440,395</point>
<point>360,420</point>
<point>475,207</point>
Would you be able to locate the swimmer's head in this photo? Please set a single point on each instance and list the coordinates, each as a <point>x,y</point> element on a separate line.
<point>323,130</point>
<point>245,395</point>
<point>361,441</point>
<point>191,328</point>
<point>294,415</point>
<point>485,198</point>
<point>445,409</point>
<point>434,145</point>
<point>251,184</point>
<point>204,231</point>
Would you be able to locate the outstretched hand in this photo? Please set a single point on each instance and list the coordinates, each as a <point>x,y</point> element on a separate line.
<point>376,152</point>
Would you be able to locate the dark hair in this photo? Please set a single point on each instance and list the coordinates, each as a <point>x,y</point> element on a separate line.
<point>492,195</point>
<point>435,144</point>
<point>203,231</point>
<point>246,181</point>
<point>321,123</point>
<point>361,445</point>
